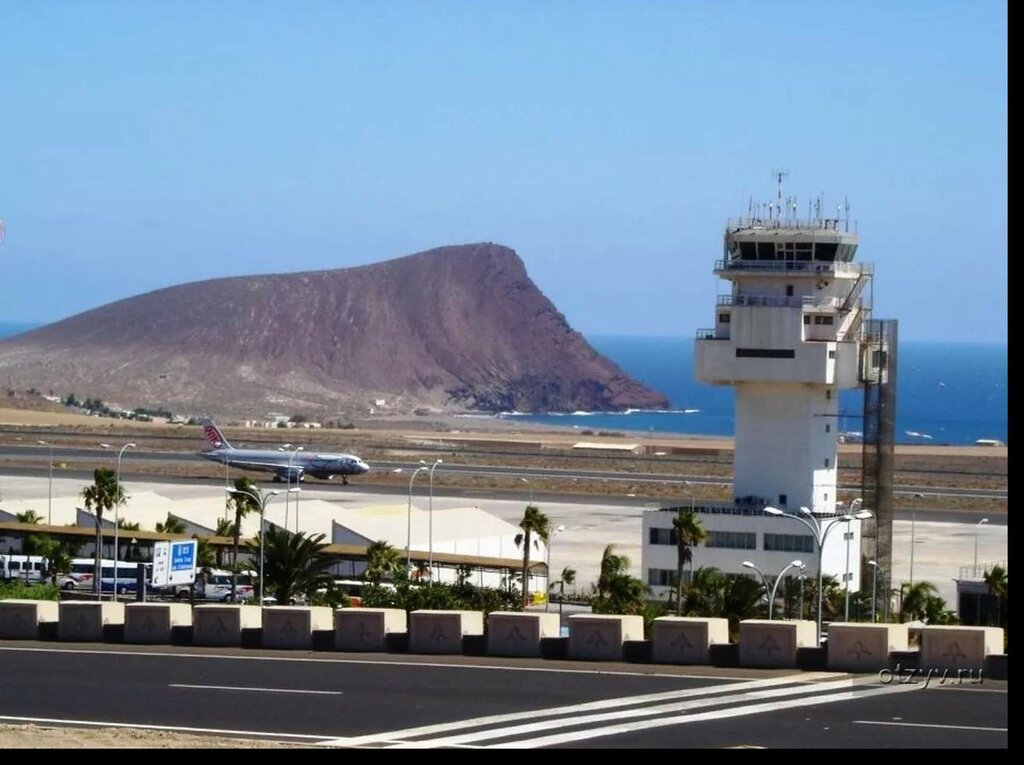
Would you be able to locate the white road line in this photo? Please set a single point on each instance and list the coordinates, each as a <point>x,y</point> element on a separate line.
<point>244,688</point>
<point>719,714</point>
<point>929,725</point>
<point>175,728</point>
<point>625,714</point>
<point>590,706</point>
<point>385,663</point>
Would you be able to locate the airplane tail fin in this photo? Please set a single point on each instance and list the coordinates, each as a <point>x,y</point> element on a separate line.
<point>213,435</point>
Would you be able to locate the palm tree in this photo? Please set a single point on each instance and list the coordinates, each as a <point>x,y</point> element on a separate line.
<point>996,580</point>
<point>171,526</point>
<point>243,498</point>
<point>689,533</point>
<point>29,516</point>
<point>206,557</point>
<point>534,523</point>
<point>618,592</point>
<point>741,599</point>
<point>422,571</point>
<point>294,564</point>
<point>705,594</point>
<point>104,493</point>
<point>382,562</point>
<point>612,567</point>
<point>914,604</point>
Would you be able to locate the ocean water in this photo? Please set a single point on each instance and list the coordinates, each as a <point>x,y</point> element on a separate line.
<point>946,393</point>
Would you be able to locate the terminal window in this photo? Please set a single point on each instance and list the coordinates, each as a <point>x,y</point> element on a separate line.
<point>662,536</point>
<point>661,577</point>
<point>733,540</point>
<point>789,543</point>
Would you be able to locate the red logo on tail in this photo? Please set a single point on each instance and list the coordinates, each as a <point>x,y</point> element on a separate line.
<point>213,436</point>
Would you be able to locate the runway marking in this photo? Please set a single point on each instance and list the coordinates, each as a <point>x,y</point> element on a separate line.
<point>384,663</point>
<point>174,728</point>
<point>629,714</point>
<point>929,725</point>
<point>590,706</point>
<point>243,688</point>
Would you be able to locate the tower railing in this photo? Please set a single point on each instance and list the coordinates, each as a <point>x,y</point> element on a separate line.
<point>776,301</point>
<point>835,267</point>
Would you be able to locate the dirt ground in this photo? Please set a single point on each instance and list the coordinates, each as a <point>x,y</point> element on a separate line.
<point>37,737</point>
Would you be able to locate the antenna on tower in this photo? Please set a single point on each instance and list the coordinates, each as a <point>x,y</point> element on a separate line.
<point>846,204</point>
<point>779,175</point>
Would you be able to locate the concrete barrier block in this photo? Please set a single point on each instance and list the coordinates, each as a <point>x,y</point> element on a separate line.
<point>22,619</point>
<point>959,647</point>
<point>854,647</point>
<point>515,633</point>
<point>154,622</point>
<point>223,624</point>
<point>765,643</point>
<point>684,640</point>
<point>442,631</point>
<point>293,626</point>
<point>86,619</point>
<point>367,629</point>
<point>594,637</point>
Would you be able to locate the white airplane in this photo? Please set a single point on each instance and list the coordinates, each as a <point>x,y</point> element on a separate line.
<point>285,466</point>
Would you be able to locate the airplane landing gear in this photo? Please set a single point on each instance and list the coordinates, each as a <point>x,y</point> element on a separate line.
<point>344,481</point>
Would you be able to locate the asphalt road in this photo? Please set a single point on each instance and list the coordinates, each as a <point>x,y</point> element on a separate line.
<point>422,702</point>
<point>184,458</point>
<point>930,509</point>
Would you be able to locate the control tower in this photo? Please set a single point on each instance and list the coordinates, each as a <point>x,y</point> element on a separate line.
<point>788,336</point>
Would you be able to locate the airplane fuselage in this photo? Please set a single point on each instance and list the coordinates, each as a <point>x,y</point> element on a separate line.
<point>292,466</point>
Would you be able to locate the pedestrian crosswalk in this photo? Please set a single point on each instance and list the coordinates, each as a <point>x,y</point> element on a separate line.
<point>530,729</point>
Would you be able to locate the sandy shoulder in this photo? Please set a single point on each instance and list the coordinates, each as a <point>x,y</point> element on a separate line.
<point>37,737</point>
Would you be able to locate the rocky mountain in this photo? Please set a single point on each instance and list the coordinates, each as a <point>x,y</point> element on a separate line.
<point>457,328</point>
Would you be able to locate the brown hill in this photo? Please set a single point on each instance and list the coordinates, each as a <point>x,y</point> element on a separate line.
<point>455,327</point>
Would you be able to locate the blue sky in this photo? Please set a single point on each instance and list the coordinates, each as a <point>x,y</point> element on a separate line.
<point>148,144</point>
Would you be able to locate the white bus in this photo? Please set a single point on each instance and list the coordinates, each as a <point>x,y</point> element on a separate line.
<point>27,568</point>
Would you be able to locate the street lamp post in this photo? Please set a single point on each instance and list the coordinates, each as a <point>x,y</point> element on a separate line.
<point>291,456</point>
<point>977,531</point>
<point>548,562</point>
<point>874,587</point>
<point>764,581</point>
<point>820,533</point>
<point>527,482</point>
<point>117,506</point>
<point>262,499</point>
<point>775,587</point>
<point>913,525</point>
<point>771,592</point>
<point>803,575</point>
<point>49,493</point>
<point>408,522</point>
<point>846,574</point>
<point>430,521</point>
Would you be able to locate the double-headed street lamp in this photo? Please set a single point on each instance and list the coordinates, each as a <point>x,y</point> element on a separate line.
<point>819,529</point>
<point>117,506</point>
<point>771,592</point>
<point>262,498</point>
<point>430,520</point>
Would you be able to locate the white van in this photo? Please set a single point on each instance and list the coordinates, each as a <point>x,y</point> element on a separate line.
<point>27,568</point>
